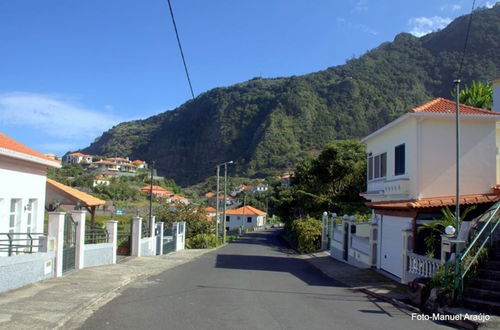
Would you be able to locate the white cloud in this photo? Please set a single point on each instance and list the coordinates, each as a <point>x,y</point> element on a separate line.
<point>354,26</point>
<point>450,7</point>
<point>53,116</point>
<point>489,4</point>
<point>420,26</point>
<point>361,5</point>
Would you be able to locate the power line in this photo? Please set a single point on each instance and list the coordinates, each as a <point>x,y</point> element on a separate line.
<point>180,48</point>
<point>466,39</point>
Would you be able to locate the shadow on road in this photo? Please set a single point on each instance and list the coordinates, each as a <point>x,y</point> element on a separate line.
<point>299,268</point>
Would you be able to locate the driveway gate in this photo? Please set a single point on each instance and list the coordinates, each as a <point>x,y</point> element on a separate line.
<point>168,240</point>
<point>69,245</point>
<point>124,237</point>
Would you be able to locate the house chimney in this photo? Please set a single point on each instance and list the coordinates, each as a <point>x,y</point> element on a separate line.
<point>496,95</point>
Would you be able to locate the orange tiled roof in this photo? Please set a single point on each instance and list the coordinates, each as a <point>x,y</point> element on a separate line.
<point>210,209</point>
<point>177,197</point>
<point>137,161</point>
<point>209,194</point>
<point>246,210</point>
<point>445,106</point>
<point>435,202</point>
<point>79,154</point>
<point>12,145</point>
<point>157,189</point>
<point>86,199</point>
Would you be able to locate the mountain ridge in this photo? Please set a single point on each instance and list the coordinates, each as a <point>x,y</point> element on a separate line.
<point>268,124</point>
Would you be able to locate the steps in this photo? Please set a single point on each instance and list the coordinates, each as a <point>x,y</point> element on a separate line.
<point>483,294</point>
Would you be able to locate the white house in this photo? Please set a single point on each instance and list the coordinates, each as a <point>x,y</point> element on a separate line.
<point>246,216</point>
<point>78,158</point>
<point>411,172</point>
<point>22,190</point>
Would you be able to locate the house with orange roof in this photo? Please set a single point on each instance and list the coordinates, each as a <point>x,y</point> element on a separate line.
<point>157,191</point>
<point>23,174</point>
<point>140,164</point>
<point>411,173</point>
<point>78,158</point>
<point>100,180</point>
<point>178,199</point>
<point>246,216</point>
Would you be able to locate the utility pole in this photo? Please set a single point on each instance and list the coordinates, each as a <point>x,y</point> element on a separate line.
<point>217,207</point>
<point>225,204</point>
<point>457,125</point>
<point>225,198</point>
<point>151,195</point>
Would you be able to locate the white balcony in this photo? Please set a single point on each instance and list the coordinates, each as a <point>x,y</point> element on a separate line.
<point>397,187</point>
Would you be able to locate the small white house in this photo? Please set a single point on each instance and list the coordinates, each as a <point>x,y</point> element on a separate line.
<point>411,172</point>
<point>78,158</point>
<point>246,216</point>
<point>23,174</point>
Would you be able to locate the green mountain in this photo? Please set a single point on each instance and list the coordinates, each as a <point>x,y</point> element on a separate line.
<point>267,125</point>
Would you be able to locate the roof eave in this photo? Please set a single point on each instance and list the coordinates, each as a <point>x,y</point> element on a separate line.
<point>29,158</point>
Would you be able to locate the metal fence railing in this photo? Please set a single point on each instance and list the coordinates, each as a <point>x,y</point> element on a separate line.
<point>96,235</point>
<point>145,232</point>
<point>19,243</point>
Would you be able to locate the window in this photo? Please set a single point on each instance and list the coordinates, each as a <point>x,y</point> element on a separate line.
<point>15,215</point>
<point>399,159</point>
<point>249,219</point>
<point>377,166</point>
<point>31,215</point>
<point>227,218</point>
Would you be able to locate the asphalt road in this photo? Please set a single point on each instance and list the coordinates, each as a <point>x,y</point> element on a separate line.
<point>253,283</point>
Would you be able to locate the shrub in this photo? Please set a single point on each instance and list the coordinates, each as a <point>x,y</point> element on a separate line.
<point>308,234</point>
<point>201,241</point>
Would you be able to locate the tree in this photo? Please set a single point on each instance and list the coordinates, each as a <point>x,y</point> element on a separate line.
<point>478,94</point>
<point>195,217</point>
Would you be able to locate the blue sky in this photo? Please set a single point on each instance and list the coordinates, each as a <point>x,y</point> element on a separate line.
<point>71,69</point>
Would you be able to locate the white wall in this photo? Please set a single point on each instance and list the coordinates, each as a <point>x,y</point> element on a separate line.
<point>22,180</point>
<point>478,171</point>
<point>236,221</point>
<point>405,132</point>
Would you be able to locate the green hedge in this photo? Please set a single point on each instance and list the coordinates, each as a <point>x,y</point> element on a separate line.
<point>201,241</point>
<point>306,235</point>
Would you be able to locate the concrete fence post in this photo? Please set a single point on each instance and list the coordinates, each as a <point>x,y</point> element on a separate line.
<point>79,217</point>
<point>373,244</point>
<point>112,228</point>
<point>333,225</point>
<point>152,231</point>
<point>159,238</point>
<point>136,237</point>
<point>56,230</point>
<point>324,231</point>
<point>407,235</point>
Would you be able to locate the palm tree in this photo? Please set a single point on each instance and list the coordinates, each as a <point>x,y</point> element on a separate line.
<point>436,228</point>
<point>478,94</point>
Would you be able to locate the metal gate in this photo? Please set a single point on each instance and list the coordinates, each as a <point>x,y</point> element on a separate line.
<point>124,238</point>
<point>69,244</point>
<point>168,240</point>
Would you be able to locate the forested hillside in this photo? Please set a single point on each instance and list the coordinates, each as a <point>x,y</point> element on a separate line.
<point>267,125</point>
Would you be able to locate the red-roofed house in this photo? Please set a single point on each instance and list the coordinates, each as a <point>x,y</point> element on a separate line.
<point>23,175</point>
<point>246,216</point>
<point>157,191</point>
<point>412,169</point>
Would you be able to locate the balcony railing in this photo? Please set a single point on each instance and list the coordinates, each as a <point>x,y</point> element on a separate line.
<point>20,243</point>
<point>397,187</point>
<point>422,266</point>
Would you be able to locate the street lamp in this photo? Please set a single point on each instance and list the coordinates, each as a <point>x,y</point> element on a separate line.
<point>217,201</point>
<point>457,132</point>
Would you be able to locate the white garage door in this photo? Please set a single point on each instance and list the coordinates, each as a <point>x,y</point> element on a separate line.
<point>391,244</point>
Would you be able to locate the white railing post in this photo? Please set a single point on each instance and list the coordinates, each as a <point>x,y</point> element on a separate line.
<point>373,244</point>
<point>152,233</point>
<point>159,238</point>
<point>333,225</point>
<point>112,228</point>
<point>56,230</point>
<point>136,237</point>
<point>79,217</point>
